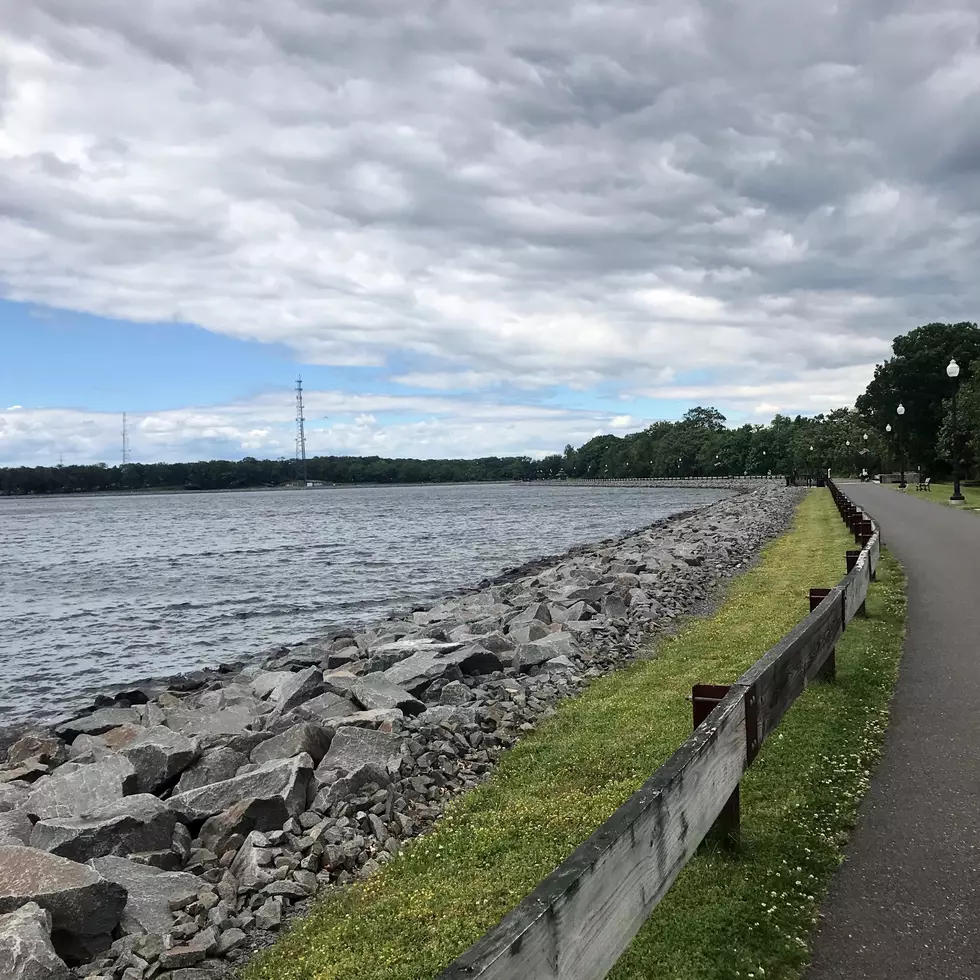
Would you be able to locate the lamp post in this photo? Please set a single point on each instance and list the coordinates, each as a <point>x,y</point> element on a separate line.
<point>953,371</point>
<point>888,430</point>
<point>847,442</point>
<point>809,467</point>
<point>901,450</point>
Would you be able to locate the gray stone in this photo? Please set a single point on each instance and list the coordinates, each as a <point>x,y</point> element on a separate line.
<point>218,832</point>
<point>419,670</point>
<point>323,708</point>
<point>149,892</point>
<point>307,737</point>
<point>302,686</point>
<point>98,722</point>
<point>194,951</point>
<point>251,863</point>
<point>84,789</point>
<point>614,607</point>
<point>560,662</point>
<point>285,778</point>
<point>134,823</point>
<point>13,795</point>
<point>26,952</point>
<point>26,772</point>
<point>373,692</point>
<point>82,903</point>
<point>377,718</point>
<point>339,682</point>
<point>355,747</point>
<point>227,721</point>
<point>213,767</point>
<point>269,683</point>
<point>528,632</point>
<point>159,755</point>
<point>15,827</point>
<point>456,693</point>
<point>89,748</point>
<point>45,749</point>
<point>334,787</point>
<point>269,916</point>
<point>229,940</point>
<point>537,611</point>
<point>539,651</point>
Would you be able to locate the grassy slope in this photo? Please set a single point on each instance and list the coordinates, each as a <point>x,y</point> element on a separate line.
<point>552,790</point>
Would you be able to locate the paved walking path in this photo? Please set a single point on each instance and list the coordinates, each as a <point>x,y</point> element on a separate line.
<point>906,902</point>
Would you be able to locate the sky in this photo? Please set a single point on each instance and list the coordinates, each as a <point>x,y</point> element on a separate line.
<point>472,228</point>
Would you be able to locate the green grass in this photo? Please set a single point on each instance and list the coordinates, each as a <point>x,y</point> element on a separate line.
<point>723,917</point>
<point>939,494</point>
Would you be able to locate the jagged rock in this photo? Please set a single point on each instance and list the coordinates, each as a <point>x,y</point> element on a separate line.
<point>245,816</point>
<point>89,748</point>
<point>194,951</point>
<point>530,655</point>
<point>496,642</point>
<point>83,789</point>
<point>355,747</point>
<point>560,663</point>
<point>456,693</point>
<point>302,686</point>
<point>45,749</point>
<point>13,795</point>
<point>229,940</point>
<point>159,755</point>
<point>134,823</point>
<point>528,632</point>
<point>98,722</point>
<point>27,772</point>
<point>339,682</point>
<point>285,778</point>
<point>227,721</point>
<point>537,611</point>
<point>26,952</point>
<point>269,916</point>
<point>269,683</point>
<point>251,864</point>
<point>419,670</point>
<point>307,737</point>
<point>614,607</point>
<point>84,906</point>
<point>324,707</point>
<point>374,692</point>
<point>377,718</point>
<point>149,892</point>
<point>119,737</point>
<point>15,827</point>
<point>213,767</point>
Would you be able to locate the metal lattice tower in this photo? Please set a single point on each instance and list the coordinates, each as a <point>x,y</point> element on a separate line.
<point>125,445</point>
<point>300,430</point>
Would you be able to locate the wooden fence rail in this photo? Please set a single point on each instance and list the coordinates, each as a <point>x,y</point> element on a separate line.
<point>577,923</point>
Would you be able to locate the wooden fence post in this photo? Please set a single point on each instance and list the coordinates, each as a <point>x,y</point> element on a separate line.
<point>828,672</point>
<point>852,560</point>
<point>728,827</point>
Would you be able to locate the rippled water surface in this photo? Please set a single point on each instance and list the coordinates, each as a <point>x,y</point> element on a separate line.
<point>101,591</point>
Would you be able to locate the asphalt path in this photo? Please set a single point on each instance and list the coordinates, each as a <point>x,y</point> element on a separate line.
<point>906,901</point>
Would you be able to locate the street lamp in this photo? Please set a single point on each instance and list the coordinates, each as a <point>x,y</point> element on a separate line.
<point>953,370</point>
<point>809,467</point>
<point>901,451</point>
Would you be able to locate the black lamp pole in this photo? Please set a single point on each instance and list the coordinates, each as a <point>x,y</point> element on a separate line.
<point>953,370</point>
<point>901,446</point>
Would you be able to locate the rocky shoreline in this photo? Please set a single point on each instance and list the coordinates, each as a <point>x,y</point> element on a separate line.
<point>173,829</point>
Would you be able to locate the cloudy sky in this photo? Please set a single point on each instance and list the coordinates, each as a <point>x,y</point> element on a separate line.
<point>473,227</point>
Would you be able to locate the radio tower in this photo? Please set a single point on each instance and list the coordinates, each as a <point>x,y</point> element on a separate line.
<point>300,430</point>
<point>125,458</point>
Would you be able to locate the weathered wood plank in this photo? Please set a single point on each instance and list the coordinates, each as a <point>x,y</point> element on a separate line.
<point>784,673</point>
<point>874,550</point>
<point>855,585</point>
<point>581,918</point>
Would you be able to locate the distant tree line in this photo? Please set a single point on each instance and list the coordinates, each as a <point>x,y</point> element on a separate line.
<point>871,436</point>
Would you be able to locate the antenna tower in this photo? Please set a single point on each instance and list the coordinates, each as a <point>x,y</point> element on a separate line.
<point>300,430</point>
<point>125,446</point>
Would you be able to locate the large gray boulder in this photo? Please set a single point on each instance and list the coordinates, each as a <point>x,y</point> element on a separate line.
<point>284,778</point>
<point>419,670</point>
<point>15,827</point>
<point>324,707</point>
<point>306,737</point>
<point>353,748</point>
<point>226,721</point>
<point>26,952</point>
<point>252,865</point>
<point>127,826</point>
<point>78,790</point>
<point>528,632</point>
<point>374,691</point>
<point>98,722</point>
<point>84,906</point>
<point>213,767</point>
<point>302,686</point>
<point>268,684</point>
<point>14,795</point>
<point>159,755</point>
<point>540,651</point>
<point>149,893</point>
<point>250,814</point>
<point>34,747</point>
<point>536,612</point>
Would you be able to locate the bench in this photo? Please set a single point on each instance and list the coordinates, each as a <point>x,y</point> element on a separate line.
<point>925,484</point>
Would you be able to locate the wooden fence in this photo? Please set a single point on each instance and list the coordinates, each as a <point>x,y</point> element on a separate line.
<point>577,923</point>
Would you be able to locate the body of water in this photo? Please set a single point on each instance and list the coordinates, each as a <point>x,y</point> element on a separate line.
<point>97,592</point>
